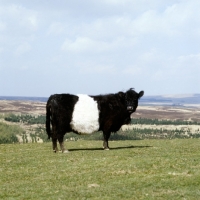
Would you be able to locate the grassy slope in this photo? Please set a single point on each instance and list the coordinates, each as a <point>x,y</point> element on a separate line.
<point>142,169</point>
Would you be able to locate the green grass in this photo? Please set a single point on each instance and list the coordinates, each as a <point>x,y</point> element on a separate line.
<point>140,169</point>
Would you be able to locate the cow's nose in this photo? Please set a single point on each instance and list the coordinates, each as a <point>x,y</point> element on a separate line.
<point>129,107</point>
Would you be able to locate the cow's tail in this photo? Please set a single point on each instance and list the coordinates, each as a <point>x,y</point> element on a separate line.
<point>48,119</point>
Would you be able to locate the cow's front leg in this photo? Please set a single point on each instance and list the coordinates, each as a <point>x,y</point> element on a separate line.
<point>61,142</point>
<point>106,136</point>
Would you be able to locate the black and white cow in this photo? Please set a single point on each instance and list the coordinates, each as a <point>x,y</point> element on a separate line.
<point>84,114</point>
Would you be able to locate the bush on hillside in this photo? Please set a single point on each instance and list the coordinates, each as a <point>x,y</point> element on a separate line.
<point>28,119</point>
<point>8,133</point>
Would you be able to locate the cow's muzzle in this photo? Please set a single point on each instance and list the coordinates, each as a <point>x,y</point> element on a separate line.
<point>130,108</point>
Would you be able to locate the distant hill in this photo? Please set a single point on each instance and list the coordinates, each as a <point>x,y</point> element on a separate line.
<point>18,98</point>
<point>171,99</point>
<point>176,100</point>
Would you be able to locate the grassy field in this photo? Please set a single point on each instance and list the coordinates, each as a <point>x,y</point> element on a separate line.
<point>134,169</point>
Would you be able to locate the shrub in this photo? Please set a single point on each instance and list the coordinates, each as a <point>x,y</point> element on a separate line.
<point>8,133</point>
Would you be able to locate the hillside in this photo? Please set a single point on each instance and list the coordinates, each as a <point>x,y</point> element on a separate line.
<point>172,100</point>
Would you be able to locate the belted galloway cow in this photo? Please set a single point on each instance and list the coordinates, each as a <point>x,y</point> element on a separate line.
<point>84,114</point>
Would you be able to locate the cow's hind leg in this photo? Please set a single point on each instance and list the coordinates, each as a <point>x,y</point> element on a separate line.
<point>54,138</point>
<point>61,142</point>
<point>54,142</point>
<point>106,136</point>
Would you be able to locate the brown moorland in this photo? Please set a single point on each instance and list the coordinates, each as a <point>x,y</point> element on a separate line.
<point>150,112</point>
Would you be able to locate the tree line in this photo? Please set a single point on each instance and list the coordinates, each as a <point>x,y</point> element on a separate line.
<point>28,119</point>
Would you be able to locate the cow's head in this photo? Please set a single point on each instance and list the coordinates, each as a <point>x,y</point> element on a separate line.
<point>131,99</point>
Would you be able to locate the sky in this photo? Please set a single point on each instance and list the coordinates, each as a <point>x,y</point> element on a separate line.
<point>99,47</point>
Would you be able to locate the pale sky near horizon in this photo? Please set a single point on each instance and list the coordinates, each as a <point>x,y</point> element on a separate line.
<point>99,47</point>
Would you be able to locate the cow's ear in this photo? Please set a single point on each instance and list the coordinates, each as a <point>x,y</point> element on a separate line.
<point>121,94</point>
<point>141,93</point>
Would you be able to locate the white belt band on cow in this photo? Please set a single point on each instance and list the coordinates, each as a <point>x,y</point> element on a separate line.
<point>85,117</point>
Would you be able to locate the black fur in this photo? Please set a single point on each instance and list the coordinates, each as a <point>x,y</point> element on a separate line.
<point>115,110</point>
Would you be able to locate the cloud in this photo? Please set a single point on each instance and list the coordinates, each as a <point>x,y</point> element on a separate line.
<point>171,21</point>
<point>93,68</point>
<point>22,48</point>
<point>89,45</point>
<point>16,16</point>
<point>133,70</point>
<point>83,44</point>
<point>189,61</point>
<point>153,28</point>
<point>181,69</point>
<point>32,22</point>
<point>56,28</point>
